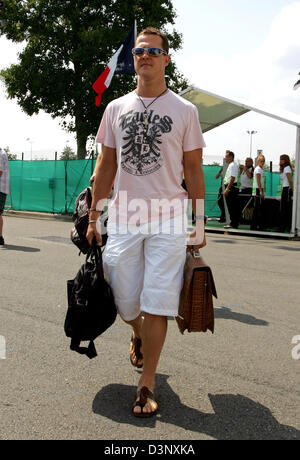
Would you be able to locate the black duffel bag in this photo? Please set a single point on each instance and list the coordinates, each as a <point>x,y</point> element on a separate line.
<point>91,307</point>
<point>80,218</point>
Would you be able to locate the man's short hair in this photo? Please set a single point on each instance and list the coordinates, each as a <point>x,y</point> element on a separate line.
<point>153,31</point>
<point>230,153</point>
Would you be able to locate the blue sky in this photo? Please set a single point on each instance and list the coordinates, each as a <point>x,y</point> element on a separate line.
<point>240,49</point>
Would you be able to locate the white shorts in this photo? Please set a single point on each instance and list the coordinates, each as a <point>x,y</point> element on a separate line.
<point>145,272</point>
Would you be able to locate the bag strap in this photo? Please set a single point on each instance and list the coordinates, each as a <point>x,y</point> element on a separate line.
<point>89,351</point>
<point>95,254</point>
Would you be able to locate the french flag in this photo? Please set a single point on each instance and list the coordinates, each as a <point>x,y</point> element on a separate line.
<point>120,63</point>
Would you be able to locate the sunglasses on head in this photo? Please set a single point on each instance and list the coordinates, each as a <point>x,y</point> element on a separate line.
<point>154,52</point>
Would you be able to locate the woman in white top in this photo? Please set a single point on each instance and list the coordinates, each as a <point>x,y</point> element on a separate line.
<point>286,203</point>
<point>259,189</point>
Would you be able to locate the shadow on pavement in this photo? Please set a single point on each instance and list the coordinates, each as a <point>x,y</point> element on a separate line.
<point>225,241</point>
<point>11,247</point>
<point>226,313</point>
<point>235,417</point>
<point>287,248</point>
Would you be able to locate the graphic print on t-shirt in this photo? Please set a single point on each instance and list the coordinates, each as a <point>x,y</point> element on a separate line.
<point>141,153</point>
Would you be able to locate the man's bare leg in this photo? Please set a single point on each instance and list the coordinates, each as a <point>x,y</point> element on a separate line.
<point>154,331</point>
<point>137,333</point>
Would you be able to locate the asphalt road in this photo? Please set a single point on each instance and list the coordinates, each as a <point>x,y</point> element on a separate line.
<point>240,383</point>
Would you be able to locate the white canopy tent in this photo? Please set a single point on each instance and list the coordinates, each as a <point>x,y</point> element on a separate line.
<point>215,110</point>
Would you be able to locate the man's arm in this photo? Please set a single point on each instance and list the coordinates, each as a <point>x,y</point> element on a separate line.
<point>105,171</point>
<point>229,185</point>
<point>92,178</point>
<point>259,185</point>
<point>290,179</point>
<point>195,183</point>
<point>249,173</point>
<point>219,173</point>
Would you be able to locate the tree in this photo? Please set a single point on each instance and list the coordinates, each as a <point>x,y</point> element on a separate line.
<point>67,154</point>
<point>10,156</point>
<point>68,45</point>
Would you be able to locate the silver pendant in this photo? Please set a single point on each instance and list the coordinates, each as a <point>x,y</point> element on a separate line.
<point>145,117</point>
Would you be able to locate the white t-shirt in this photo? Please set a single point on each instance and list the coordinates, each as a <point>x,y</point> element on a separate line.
<point>232,171</point>
<point>246,182</point>
<point>150,157</point>
<point>287,170</point>
<point>259,170</point>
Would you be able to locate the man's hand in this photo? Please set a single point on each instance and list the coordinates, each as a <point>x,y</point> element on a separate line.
<point>103,175</point>
<point>92,232</point>
<point>193,244</point>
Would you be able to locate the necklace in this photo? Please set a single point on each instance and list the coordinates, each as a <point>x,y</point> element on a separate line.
<point>146,114</point>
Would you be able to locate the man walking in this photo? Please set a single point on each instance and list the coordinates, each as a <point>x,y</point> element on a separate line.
<point>4,188</point>
<point>150,138</point>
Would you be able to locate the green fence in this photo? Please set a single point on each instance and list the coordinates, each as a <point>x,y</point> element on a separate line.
<point>52,186</point>
<point>48,186</point>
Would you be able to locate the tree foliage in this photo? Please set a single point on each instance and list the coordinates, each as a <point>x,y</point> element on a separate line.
<point>67,154</point>
<point>68,43</point>
<point>10,156</point>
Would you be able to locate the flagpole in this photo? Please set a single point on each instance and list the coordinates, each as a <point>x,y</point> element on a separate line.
<point>135,30</point>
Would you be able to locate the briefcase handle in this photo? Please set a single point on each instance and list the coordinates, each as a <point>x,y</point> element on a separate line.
<point>196,254</point>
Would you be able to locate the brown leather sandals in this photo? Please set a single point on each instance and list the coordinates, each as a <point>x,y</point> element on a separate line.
<point>143,395</point>
<point>137,343</point>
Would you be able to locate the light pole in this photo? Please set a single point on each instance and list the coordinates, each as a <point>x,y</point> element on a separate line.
<point>30,141</point>
<point>251,134</point>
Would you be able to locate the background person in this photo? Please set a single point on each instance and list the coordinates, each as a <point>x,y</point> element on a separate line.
<point>246,187</point>
<point>4,188</point>
<point>222,218</point>
<point>286,203</point>
<point>150,138</point>
<point>259,189</point>
<point>221,174</point>
<point>231,191</point>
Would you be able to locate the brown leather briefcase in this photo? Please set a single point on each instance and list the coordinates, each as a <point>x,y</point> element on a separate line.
<point>196,311</point>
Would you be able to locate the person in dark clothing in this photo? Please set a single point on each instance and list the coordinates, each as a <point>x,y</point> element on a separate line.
<point>286,203</point>
<point>221,173</point>
<point>231,191</point>
<point>245,192</point>
<point>259,190</point>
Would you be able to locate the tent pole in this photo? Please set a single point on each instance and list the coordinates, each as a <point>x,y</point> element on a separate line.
<point>296,200</point>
